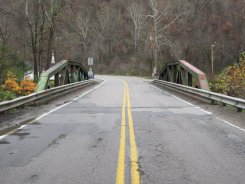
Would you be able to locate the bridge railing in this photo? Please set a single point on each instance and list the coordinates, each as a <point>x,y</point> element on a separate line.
<point>44,96</point>
<point>214,97</point>
<point>60,79</point>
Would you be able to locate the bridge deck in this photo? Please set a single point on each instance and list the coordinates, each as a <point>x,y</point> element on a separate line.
<point>80,142</point>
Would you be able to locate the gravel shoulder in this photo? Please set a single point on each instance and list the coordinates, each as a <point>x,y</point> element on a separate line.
<point>14,118</point>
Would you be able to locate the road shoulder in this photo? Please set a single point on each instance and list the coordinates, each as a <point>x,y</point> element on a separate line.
<point>17,117</point>
<point>226,113</point>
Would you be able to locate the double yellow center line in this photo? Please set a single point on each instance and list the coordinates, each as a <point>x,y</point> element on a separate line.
<point>135,176</point>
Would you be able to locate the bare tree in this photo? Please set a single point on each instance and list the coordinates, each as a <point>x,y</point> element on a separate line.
<point>106,30</point>
<point>84,33</point>
<point>136,12</point>
<point>172,28</point>
<point>159,11</point>
<point>52,11</point>
<point>36,22</point>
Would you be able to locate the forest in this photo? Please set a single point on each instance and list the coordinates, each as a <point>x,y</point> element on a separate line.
<point>125,37</point>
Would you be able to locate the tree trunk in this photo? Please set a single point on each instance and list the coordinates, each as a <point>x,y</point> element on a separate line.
<point>50,41</point>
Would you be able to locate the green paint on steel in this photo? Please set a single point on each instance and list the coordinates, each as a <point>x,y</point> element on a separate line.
<point>64,72</point>
<point>182,72</point>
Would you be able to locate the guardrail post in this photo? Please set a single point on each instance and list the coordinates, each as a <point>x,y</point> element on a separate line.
<point>239,109</point>
<point>213,102</point>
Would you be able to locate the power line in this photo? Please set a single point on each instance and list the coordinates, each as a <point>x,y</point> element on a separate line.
<point>201,9</point>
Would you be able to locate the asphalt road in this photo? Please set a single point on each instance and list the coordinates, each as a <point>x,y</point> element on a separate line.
<point>115,135</point>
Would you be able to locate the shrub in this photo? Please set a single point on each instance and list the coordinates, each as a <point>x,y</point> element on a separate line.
<point>11,84</point>
<point>27,86</point>
<point>11,87</point>
<point>6,95</point>
<point>11,61</point>
<point>231,81</point>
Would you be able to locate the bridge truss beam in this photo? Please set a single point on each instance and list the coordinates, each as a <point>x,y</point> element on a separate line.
<point>182,72</point>
<point>62,73</point>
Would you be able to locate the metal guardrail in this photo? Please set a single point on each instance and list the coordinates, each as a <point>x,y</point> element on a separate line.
<point>215,97</point>
<point>47,94</point>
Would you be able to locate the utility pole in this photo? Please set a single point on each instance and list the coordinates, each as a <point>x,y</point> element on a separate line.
<point>212,60</point>
<point>152,51</point>
<point>53,58</point>
<point>90,64</point>
<point>154,56</point>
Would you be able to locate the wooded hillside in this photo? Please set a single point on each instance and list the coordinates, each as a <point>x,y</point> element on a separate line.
<point>124,36</point>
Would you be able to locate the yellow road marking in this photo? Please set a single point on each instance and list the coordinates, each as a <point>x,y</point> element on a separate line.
<point>121,156</point>
<point>135,176</point>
